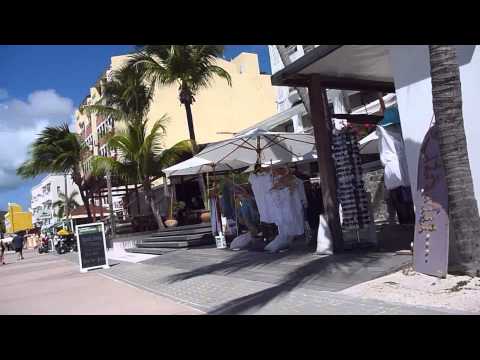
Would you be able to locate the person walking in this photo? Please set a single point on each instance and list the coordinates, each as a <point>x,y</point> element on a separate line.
<point>2,250</point>
<point>18,242</point>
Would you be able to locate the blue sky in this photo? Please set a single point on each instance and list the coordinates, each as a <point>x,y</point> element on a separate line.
<point>43,84</point>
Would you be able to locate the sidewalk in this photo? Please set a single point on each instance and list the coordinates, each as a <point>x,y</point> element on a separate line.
<point>228,294</point>
<point>47,284</point>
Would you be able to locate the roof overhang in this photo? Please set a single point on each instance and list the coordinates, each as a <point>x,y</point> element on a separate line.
<point>343,67</point>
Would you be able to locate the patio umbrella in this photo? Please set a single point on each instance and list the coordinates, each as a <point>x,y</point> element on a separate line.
<point>196,165</point>
<point>260,146</point>
<point>63,232</point>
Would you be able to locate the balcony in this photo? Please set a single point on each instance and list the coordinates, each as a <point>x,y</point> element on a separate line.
<point>103,137</point>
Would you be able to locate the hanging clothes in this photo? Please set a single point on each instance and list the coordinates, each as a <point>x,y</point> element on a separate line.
<point>392,155</point>
<point>214,216</point>
<point>261,184</point>
<point>226,201</point>
<point>351,193</point>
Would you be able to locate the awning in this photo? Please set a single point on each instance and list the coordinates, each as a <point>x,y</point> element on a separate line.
<point>347,67</point>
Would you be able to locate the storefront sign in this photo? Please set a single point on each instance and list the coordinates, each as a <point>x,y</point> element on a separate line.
<point>92,249</point>
<point>430,249</point>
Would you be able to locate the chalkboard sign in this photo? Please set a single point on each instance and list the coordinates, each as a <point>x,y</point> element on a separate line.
<point>92,250</point>
<point>430,247</point>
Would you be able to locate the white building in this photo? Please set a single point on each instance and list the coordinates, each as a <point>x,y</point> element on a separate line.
<point>45,194</point>
<point>292,115</point>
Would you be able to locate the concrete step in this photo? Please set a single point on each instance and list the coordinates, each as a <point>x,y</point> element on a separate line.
<point>186,227</point>
<point>155,251</point>
<point>194,231</point>
<point>162,239</point>
<point>176,244</point>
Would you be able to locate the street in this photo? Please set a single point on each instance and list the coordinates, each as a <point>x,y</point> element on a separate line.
<point>47,284</point>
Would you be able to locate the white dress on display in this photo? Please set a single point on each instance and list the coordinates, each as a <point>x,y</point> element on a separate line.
<point>261,185</point>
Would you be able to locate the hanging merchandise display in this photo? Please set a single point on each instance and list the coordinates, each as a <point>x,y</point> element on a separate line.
<point>215,215</point>
<point>351,192</point>
<point>281,199</point>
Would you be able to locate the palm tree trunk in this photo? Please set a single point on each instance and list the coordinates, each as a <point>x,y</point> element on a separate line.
<point>150,198</point>
<point>84,196</point>
<point>447,107</point>
<point>191,130</point>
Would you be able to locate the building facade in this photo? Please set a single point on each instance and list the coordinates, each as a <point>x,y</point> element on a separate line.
<point>218,111</point>
<point>45,194</point>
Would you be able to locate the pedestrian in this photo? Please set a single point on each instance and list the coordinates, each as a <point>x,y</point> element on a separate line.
<point>2,250</point>
<point>18,242</point>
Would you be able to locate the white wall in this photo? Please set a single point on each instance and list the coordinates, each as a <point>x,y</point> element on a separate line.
<point>411,69</point>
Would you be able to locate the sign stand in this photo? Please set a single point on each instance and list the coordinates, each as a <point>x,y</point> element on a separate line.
<point>92,247</point>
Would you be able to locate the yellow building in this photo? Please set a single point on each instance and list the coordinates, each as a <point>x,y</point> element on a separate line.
<point>217,112</point>
<point>16,219</point>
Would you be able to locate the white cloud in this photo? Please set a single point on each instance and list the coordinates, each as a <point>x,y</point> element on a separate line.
<point>42,105</point>
<point>20,122</point>
<point>3,94</point>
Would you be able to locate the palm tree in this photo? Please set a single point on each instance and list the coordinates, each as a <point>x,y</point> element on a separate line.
<point>68,200</point>
<point>57,150</point>
<point>192,67</point>
<point>141,157</point>
<point>447,107</point>
<point>125,97</point>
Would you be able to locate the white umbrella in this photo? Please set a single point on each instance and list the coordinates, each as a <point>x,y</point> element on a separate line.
<point>260,146</point>
<point>196,165</point>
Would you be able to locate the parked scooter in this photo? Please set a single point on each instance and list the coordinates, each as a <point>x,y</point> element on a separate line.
<point>66,244</point>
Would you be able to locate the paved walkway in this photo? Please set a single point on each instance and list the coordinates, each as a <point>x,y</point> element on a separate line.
<point>224,292</point>
<point>47,284</point>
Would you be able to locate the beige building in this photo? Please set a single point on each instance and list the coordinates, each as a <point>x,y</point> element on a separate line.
<point>218,111</point>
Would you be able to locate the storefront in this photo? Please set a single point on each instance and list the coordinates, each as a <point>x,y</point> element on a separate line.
<point>405,71</point>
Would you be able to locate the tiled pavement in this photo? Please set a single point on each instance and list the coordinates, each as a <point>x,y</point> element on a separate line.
<point>224,282</point>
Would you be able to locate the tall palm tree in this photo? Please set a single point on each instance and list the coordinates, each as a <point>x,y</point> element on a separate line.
<point>192,67</point>
<point>141,157</point>
<point>447,107</point>
<point>69,200</point>
<point>127,98</point>
<point>57,150</point>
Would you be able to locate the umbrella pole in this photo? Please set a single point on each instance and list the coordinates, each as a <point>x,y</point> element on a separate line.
<point>208,193</point>
<point>217,201</point>
<point>235,203</point>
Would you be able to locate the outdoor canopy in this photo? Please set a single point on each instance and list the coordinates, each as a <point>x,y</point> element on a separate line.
<point>196,165</point>
<point>261,146</point>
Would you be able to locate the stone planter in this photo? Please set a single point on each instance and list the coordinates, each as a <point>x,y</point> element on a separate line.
<point>171,223</point>
<point>205,216</point>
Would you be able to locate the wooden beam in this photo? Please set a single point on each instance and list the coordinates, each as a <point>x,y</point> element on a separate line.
<point>322,129</point>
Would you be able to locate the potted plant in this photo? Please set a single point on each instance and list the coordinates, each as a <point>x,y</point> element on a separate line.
<point>175,207</point>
